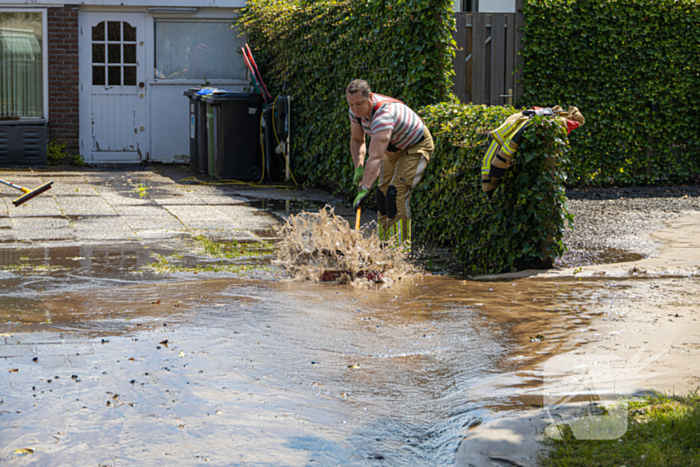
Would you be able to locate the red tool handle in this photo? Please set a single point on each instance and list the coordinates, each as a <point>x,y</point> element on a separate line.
<point>252,72</point>
<point>252,61</point>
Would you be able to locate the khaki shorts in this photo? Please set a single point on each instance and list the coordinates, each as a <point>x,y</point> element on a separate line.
<point>399,175</point>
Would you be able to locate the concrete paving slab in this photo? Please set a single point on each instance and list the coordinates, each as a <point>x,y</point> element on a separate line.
<point>85,206</point>
<point>101,228</point>
<point>43,228</point>
<point>111,205</point>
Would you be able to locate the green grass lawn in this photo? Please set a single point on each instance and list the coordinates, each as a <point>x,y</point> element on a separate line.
<point>661,431</point>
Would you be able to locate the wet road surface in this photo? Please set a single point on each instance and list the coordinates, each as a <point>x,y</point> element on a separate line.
<point>267,371</point>
<point>123,343</point>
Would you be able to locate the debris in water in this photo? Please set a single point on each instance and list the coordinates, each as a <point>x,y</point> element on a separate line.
<point>323,247</point>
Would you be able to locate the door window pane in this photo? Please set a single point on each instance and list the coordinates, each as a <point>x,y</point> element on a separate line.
<point>21,65</point>
<point>98,53</point>
<point>129,53</point>
<point>114,31</point>
<point>129,76</point>
<point>198,50</point>
<point>129,33</point>
<point>98,32</point>
<point>98,76</point>
<point>114,75</point>
<point>114,53</point>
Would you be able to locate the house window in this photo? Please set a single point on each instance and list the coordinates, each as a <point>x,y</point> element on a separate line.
<point>113,54</point>
<point>468,6</point>
<point>22,64</point>
<point>197,50</point>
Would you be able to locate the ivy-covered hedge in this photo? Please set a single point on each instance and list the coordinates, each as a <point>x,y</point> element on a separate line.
<point>403,48</point>
<point>524,222</point>
<point>632,68</point>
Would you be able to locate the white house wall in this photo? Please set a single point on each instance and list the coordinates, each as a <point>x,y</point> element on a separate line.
<point>496,6</point>
<point>138,3</point>
<point>169,108</point>
<point>167,127</point>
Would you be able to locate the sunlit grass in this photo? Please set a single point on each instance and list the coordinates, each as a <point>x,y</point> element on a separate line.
<point>661,431</point>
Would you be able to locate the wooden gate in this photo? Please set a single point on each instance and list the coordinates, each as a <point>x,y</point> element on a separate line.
<point>485,61</point>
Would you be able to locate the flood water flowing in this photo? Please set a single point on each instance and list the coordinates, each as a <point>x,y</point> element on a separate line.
<point>230,371</point>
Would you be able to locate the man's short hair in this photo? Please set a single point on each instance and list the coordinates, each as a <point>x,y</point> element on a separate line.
<point>359,85</point>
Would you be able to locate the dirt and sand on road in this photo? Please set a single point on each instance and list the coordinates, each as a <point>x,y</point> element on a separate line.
<point>646,339</point>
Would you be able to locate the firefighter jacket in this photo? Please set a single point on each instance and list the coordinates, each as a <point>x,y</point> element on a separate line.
<point>508,136</point>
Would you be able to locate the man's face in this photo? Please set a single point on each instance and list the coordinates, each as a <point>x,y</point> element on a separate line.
<point>360,106</point>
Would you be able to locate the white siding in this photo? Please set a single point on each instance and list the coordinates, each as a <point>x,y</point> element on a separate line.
<point>170,126</point>
<point>496,6</point>
<point>140,3</point>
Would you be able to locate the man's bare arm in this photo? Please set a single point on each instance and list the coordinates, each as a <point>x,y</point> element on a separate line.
<point>358,149</point>
<point>377,148</point>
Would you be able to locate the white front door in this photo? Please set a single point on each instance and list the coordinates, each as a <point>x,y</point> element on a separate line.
<point>112,84</point>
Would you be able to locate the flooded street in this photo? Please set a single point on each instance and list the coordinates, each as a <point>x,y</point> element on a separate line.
<point>134,369</point>
<point>148,322</point>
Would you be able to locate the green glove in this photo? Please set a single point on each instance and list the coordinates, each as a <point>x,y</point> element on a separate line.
<point>359,173</point>
<point>362,194</point>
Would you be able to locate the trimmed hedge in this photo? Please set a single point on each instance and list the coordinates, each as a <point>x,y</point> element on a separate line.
<point>632,68</point>
<point>403,48</point>
<point>524,222</point>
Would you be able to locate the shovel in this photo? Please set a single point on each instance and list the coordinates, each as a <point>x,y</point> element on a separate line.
<point>28,194</point>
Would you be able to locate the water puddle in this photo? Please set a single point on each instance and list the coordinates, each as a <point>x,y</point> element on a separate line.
<point>286,206</point>
<point>24,272</point>
<point>275,372</point>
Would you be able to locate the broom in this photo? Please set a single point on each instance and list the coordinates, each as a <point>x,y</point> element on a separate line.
<point>28,194</point>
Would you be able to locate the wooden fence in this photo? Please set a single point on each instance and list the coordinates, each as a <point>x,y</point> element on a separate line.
<point>486,59</point>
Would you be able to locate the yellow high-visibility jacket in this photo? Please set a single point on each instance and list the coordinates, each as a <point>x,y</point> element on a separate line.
<point>507,138</point>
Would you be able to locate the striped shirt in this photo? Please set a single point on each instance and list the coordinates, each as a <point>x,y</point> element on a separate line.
<point>406,127</point>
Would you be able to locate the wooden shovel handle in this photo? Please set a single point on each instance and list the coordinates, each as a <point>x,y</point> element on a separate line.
<point>357,218</point>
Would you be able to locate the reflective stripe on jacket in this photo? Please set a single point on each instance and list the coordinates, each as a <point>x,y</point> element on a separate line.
<point>507,139</point>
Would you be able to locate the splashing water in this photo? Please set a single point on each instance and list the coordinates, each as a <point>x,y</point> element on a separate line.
<point>322,246</point>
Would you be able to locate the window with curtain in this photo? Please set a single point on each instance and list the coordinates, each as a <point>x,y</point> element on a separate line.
<point>21,65</point>
<point>198,49</point>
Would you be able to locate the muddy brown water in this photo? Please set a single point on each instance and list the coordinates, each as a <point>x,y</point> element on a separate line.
<point>267,371</point>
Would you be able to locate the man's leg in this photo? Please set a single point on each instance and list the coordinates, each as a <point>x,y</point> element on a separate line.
<point>386,173</point>
<point>409,171</point>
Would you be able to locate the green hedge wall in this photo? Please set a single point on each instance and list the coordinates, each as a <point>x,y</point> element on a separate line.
<point>403,48</point>
<point>525,220</point>
<point>633,68</point>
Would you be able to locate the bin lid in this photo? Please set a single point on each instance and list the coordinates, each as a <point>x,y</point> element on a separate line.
<point>191,91</point>
<point>227,96</point>
<point>205,91</point>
